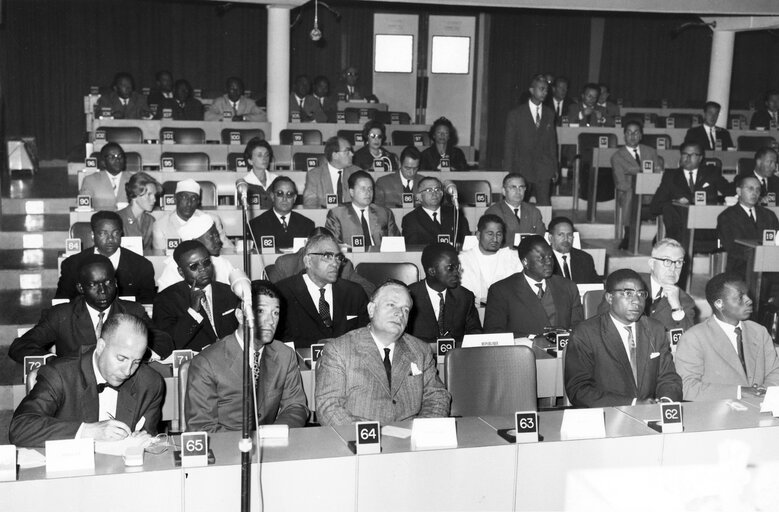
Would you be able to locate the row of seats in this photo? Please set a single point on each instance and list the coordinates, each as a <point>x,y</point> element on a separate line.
<point>681,120</point>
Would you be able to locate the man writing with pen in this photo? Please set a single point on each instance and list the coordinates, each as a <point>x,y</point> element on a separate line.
<point>105,393</point>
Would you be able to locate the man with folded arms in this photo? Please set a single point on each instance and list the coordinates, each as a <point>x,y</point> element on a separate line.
<point>620,357</point>
<point>105,393</point>
<point>215,380</point>
<point>377,372</point>
<point>728,354</point>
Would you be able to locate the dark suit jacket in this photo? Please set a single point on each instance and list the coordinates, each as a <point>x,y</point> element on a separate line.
<point>530,220</point>
<point>136,107</point>
<point>134,276</point>
<point>760,119</point>
<point>268,224</point>
<point>65,396</point>
<point>419,229</point>
<point>513,307</point>
<point>701,136</point>
<point>431,158</point>
<point>674,186</point>
<point>344,223</point>
<point>191,111</point>
<point>530,150</point>
<point>582,267</point>
<point>771,181</point>
<point>597,369</point>
<point>460,314</point>
<point>364,159</point>
<point>288,265</point>
<point>170,315</point>
<point>69,327</point>
<point>215,388</point>
<point>567,102</point>
<point>586,120</point>
<point>389,190</point>
<point>301,322</point>
<point>735,223</point>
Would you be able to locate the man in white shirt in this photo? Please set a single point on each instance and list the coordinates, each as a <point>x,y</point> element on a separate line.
<point>708,134</point>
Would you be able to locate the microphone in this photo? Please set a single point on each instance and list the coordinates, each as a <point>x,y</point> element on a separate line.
<point>451,189</point>
<point>241,286</point>
<point>243,190</point>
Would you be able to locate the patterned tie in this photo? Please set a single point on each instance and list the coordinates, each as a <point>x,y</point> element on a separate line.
<point>691,182</point>
<point>566,268</point>
<point>538,116</point>
<point>441,306</point>
<point>284,222</point>
<point>435,218</point>
<point>324,309</point>
<point>388,367</point>
<point>99,328</point>
<point>540,292</point>
<point>638,158</point>
<point>632,345</point>
<point>740,347</point>
<point>256,368</point>
<point>209,314</point>
<point>365,231</point>
<point>751,216</point>
<point>339,192</point>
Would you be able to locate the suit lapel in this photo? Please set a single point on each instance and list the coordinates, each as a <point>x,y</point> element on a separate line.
<point>721,344</point>
<point>612,341</point>
<point>82,324</point>
<point>643,350</point>
<point>374,224</point>
<point>372,359</point>
<point>528,297</point>
<point>401,361</point>
<point>126,402</point>
<point>305,301</point>
<point>91,402</point>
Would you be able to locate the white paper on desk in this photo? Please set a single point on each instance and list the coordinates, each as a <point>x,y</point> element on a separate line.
<point>527,342</point>
<point>28,458</point>
<point>770,401</point>
<point>118,447</point>
<point>399,432</point>
<point>583,424</point>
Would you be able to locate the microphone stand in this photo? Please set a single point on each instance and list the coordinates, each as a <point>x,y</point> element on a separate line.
<point>245,444</point>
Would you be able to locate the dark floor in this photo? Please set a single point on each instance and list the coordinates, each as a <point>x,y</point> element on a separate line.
<point>47,183</point>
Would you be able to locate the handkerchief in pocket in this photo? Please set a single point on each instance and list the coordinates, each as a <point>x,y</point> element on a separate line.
<point>415,369</point>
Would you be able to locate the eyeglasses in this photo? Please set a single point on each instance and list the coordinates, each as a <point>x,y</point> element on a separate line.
<point>347,150</point>
<point>204,264</point>
<point>329,256</point>
<point>629,293</point>
<point>432,190</point>
<point>289,195</point>
<point>375,136</point>
<point>667,263</point>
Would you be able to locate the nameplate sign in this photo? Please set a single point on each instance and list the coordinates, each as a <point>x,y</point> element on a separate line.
<point>167,137</point>
<point>254,199</point>
<point>664,103</point>
<point>445,165</point>
<point>197,93</point>
<point>670,122</point>
<point>393,244</point>
<point>7,463</point>
<point>298,243</point>
<point>418,140</point>
<point>359,140</point>
<point>94,90</point>
<point>772,124</point>
<point>618,122</point>
<point>583,424</point>
<point>407,200</point>
<point>526,426</point>
<point>227,115</point>
<point>167,113</point>
<point>770,199</point>
<point>235,137</point>
<point>561,341</point>
<point>769,237</point>
<point>675,335</point>
<point>358,243</point>
<point>70,457</point>
<point>268,244</point>
<point>72,245</point>
<point>443,347</point>
<point>770,401</point>
<point>297,139</point>
<point>718,145</point>
<point>341,96</point>
<point>340,117</point>
<point>90,163</point>
<point>170,245</point>
<point>368,437</point>
<point>105,113</point>
<point>566,122</point>
<point>295,116</point>
<point>380,165</point>
<point>194,449</point>
<point>603,142</point>
<point>331,201</point>
<point>735,123</point>
<point>647,166</point>
<point>84,203</point>
<point>433,433</point>
<point>180,357</point>
<point>311,163</point>
<point>480,199</point>
<point>394,117</point>
<point>671,418</point>
<point>240,164</point>
<point>661,144</point>
<point>700,197</point>
<point>316,353</point>
<point>495,339</point>
<point>168,164</point>
<point>445,239</point>
<point>274,432</point>
<point>168,202</point>
<point>32,363</point>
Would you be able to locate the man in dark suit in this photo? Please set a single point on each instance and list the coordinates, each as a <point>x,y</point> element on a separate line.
<point>765,169</point>
<point>678,187</point>
<point>79,322</point>
<point>297,98</point>
<point>529,301</point>
<point>163,91</point>
<point>215,379</point>
<point>123,101</point>
<point>330,178</point>
<point>428,220</point>
<point>559,101</point>
<point>620,357</point>
<point>763,117</point>
<point>570,263</point>
<point>107,187</point>
<point>587,112</point>
<point>198,310</point>
<point>708,134</point>
<point>351,90</point>
<point>134,273</point>
<point>320,105</point>
<point>530,144</point>
<point>319,305</point>
<point>104,393</point>
<point>442,308</point>
<point>182,106</point>
<point>610,109</point>
<point>391,187</point>
<point>280,221</point>
<point>361,216</point>
<point>519,216</point>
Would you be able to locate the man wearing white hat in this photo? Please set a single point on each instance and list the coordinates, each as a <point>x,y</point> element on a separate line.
<point>202,229</point>
<point>187,203</point>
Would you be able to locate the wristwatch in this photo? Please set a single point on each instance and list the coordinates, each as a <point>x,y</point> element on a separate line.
<point>677,314</point>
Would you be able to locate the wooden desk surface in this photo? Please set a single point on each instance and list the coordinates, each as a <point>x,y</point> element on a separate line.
<point>766,256</point>
<point>570,135</point>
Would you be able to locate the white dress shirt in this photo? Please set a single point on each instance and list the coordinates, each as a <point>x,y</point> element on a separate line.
<point>730,332</point>
<point>313,291</point>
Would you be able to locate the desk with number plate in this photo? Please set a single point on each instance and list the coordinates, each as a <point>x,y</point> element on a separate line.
<point>762,258</point>
<point>569,135</point>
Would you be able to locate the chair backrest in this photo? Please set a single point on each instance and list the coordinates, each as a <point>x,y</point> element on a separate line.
<point>245,135</point>
<point>188,162</point>
<point>714,163</point>
<point>133,162</point>
<point>183,135</point>
<point>745,165</point>
<point>309,137</point>
<point>754,142</point>
<point>491,380</point>
<point>120,134</point>
<point>83,231</point>
<point>589,141</point>
<point>467,190</point>
<point>651,139</point>
<point>231,161</point>
<point>378,273</point>
<point>406,138</point>
<point>181,389</point>
<point>304,161</point>
<point>208,195</point>
<point>681,120</point>
<point>592,298</point>
<point>353,115</point>
<point>349,135</point>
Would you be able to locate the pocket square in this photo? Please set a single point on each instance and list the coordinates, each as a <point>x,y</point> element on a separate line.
<point>654,355</point>
<point>415,369</point>
<point>228,312</point>
<point>705,185</point>
<point>350,317</point>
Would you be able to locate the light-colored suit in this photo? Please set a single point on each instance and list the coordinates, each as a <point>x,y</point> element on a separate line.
<point>344,223</point>
<point>247,108</point>
<point>351,384</point>
<point>624,165</point>
<point>215,387</point>
<point>98,186</point>
<point>530,220</point>
<point>709,365</point>
<point>319,185</point>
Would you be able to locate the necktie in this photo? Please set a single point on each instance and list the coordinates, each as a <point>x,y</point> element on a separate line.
<point>712,137</point>
<point>566,268</point>
<point>559,108</point>
<point>324,309</point>
<point>632,346</point>
<point>339,186</point>
<point>365,231</point>
<point>407,187</point>
<point>351,89</point>
<point>516,213</point>
<point>435,218</point>
<point>99,328</point>
<point>301,102</point>
<point>441,330</point>
<point>751,216</point>
<point>638,158</point>
<point>209,314</point>
<point>256,368</point>
<point>322,101</point>
<point>740,347</point>
<point>659,293</point>
<point>284,222</point>
<point>763,187</point>
<point>540,292</point>
<point>388,367</point>
<point>538,116</point>
<point>235,108</point>
<point>691,182</point>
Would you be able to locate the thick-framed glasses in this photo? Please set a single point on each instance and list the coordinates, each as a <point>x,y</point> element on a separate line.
<point>329,256</point>
<point>194,267</point>
<point>289,195</point>
<point>668,263</point>
<point>375,136</point>
<point>629,293</point>
<point>432,190</point>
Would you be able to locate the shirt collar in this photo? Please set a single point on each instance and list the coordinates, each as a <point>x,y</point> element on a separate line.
<point>728,328</point>
<point>98,376</point>
<point>532,282</point>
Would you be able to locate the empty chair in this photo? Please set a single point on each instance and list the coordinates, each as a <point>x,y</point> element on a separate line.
<point>350,136</point>
<point>754,142</point>
<point>716,163</point>
<point>183,135</point>
<point>307,161</point>
<point>306,137</point>
<point>120,134</point>
<point>651,140</point>
<point>408,138</point>
<point>244,135</point>
<point>392,117</point>
<point>681,120</point>
<point>82,231</point>
<point>746,165</point>
<point>378,273</point>
<point>587,142</point>
<point>491,381</point>
<point>232,158</point>
<point>208,195</point>
<point>188,162</point>
<point>359,115</point>
<point>467,190</point>
<point>592,298</point>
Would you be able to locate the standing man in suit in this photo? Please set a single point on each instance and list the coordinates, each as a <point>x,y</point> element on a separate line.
<point>709,133</point>
<point>106,187</point>
<point>391,187</point>
<point>519,216</point>
<point>528,302</point>
<point>378,373</point>
<point>198,310</point>
<point>319,305</point>
<point>234,106</point>
<point>621,357</point>
<point>728,355</point>
<point>79,397</point>
<point>330,178</point>
<point>215,379</point>
<point>530,144</point>
<point>763,117</point>
<point>123,100</point>
<point>361,216</point>
<point>570,263</point>
<point>765,170</point>
<point>442,308</point>
<point>628,161</point>
<point>428,220</point>
<point>70,326</point>
<point>559,101</point>
<point>134,273</point>
<point>297,99</point>
<point>587,112</point>
<point>678,187</point>
<point>280,221</point>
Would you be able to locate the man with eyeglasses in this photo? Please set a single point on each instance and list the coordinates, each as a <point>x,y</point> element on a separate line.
<point>519,216</point>
<point>570,262</point>
<point>134,273</point>
<point>528,302</point>
<point>319,304</point>
<point>428,220</point>
<point>621,357</point>
<point>332,177</point>
<point>728,355</point>
<point>70,326</point>
<point>280,221</point>
<point>442,308</point>
<point>198,310</point>
<point>391,187</point>
<point>677,191</point>
<point>106,187</point>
